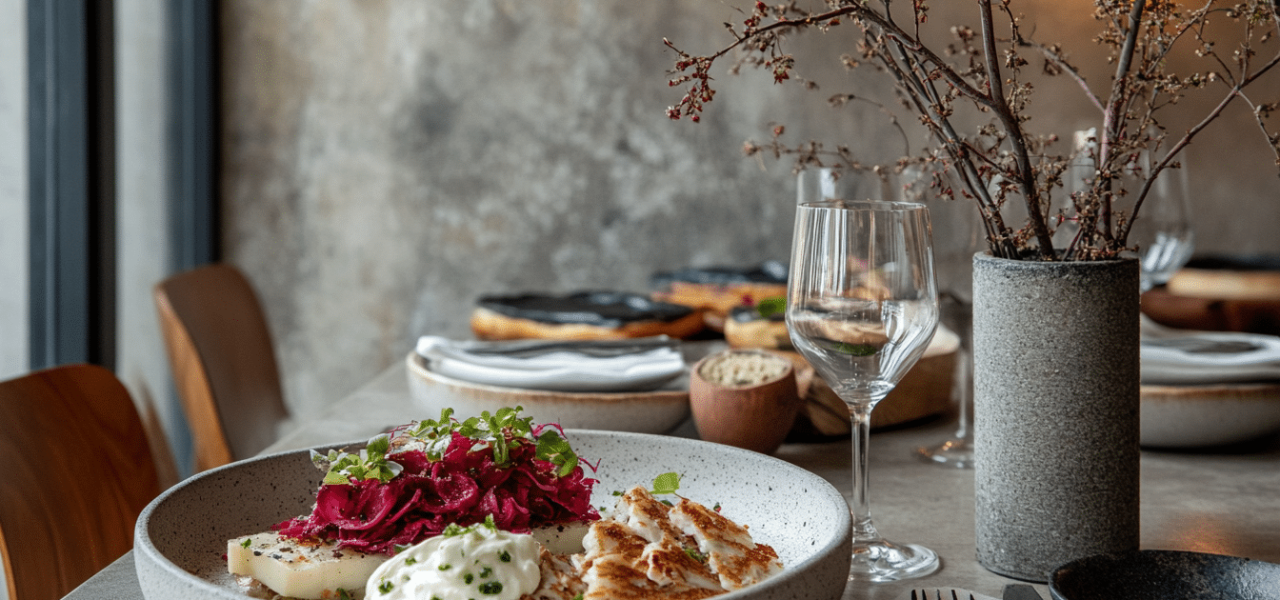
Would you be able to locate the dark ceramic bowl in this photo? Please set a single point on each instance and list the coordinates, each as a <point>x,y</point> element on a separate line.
<point>1165,575</point>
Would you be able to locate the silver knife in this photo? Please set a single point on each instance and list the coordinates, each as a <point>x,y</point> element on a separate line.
<point>1020,591</point>
<point>599,348</point>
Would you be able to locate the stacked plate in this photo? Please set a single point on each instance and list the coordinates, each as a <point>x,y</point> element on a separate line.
<point>639,385</point>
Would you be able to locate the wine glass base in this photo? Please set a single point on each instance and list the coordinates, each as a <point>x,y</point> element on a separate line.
<point>955,453</point>
<point>881,561</point>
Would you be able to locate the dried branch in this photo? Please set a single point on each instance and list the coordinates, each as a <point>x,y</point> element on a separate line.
<point>1182,143</point>
<point>1002,159</point>
<point>1013,127</point>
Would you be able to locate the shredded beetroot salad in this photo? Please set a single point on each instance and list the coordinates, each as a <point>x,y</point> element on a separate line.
<point>408,486</point>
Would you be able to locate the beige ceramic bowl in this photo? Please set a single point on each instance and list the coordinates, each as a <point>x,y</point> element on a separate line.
<point>744,398</point>
<point>656,411</point>
<point>1199,416</point>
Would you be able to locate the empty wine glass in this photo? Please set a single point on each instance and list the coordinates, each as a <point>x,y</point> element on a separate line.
<point>1162,231</point>
<point>953,250</point>
<point>862,305</point>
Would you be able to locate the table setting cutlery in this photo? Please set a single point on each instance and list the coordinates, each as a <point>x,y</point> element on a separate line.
<point>1178,356</point>
<point>954,594</point>
<point>534,347</point>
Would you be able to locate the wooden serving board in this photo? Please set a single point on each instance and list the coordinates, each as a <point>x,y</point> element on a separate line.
<point>925,391</point>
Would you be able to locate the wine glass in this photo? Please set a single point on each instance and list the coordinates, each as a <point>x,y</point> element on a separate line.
<point>1162,231</point>
<point>953,250</point>
<point>862,305</point>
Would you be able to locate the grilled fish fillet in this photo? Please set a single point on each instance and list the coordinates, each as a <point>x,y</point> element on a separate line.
<point>647,549</point>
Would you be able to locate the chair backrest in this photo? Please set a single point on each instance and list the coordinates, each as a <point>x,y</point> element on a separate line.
<point>223,362</point>
<point>78,472</point>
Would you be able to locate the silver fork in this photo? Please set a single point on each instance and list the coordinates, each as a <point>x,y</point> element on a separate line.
<point>937,595</point>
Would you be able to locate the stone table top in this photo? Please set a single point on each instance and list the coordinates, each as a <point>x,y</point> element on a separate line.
<point>1221,502</point>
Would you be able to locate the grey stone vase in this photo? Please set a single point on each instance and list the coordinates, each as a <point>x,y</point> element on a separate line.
<point>1056,401</point>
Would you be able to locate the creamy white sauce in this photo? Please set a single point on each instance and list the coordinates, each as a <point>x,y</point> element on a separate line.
<point>481,563</point>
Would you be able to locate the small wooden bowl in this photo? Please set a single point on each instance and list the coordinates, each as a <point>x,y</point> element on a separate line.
<point>753,412</point>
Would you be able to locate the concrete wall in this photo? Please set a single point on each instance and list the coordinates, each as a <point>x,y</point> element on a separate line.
<point>13,188</point>
<point>386,162</point>
<point>13,196</point>
<point>142,168</point>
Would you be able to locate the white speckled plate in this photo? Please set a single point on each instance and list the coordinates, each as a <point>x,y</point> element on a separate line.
<point>654,411</point>
<point>181,537</point>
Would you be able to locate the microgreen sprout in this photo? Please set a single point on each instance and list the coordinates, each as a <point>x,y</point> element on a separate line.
<point>499,430</point>
<point>434,435</point>
<point>370,463</point>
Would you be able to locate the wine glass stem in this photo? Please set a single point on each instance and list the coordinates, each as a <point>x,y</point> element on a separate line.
<point>860,507</point>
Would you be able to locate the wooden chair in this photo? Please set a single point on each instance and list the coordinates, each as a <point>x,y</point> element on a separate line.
<point>78,472</point>
<point>223,362</point>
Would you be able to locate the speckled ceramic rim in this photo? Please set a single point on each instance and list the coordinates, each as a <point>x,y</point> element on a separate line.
<point>1196,566</point>
<point>821,574</point>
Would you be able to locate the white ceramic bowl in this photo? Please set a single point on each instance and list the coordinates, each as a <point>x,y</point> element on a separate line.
<point>657,411</point>
<point>1198,416</point>
<point>181,536</point>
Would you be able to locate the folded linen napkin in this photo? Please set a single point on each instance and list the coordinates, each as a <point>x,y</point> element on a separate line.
<point>563,366</point>
<point>1183,357</point>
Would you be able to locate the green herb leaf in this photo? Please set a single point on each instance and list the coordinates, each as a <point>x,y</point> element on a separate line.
<point>856,349</point>
<point>245,543</point>
<point>370,463</point>
<point>556,450</point>
<point>454,530</point>
<point>769,307</point>
<point>501,431</point>
<point>666,483</point>
<point>695,555</point>
<point>385,586</point>
<point>435,435</point>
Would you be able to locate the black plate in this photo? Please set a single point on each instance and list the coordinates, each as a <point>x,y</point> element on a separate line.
<point>1165,575</point>
<point>604,309</point>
